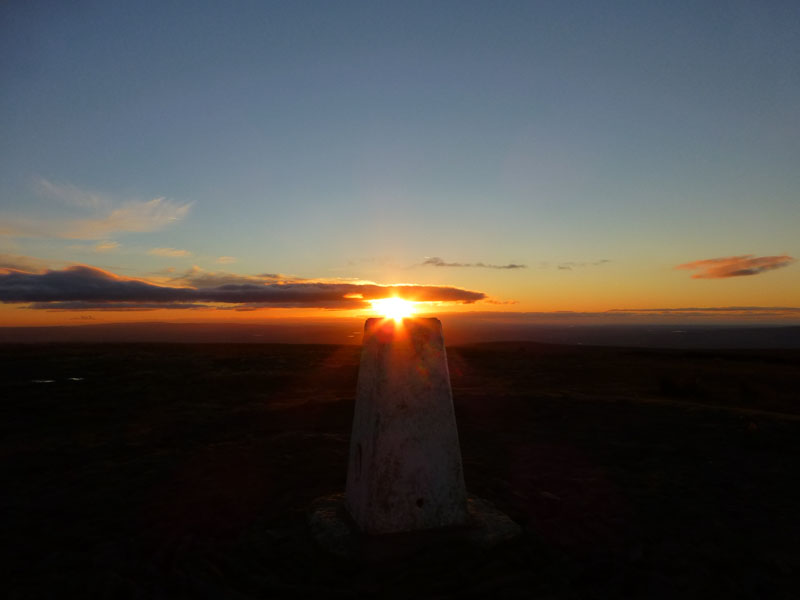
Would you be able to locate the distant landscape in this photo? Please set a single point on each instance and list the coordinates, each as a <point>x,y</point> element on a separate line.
<point>468,329</point>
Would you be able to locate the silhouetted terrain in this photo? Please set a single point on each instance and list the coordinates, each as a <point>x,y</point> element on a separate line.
<point>467,328</point>
<point>159,471</point>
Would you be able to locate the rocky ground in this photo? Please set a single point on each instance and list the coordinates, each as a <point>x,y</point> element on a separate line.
<point>187,471</point>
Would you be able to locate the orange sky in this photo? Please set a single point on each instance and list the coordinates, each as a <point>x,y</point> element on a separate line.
<point>530,158</point>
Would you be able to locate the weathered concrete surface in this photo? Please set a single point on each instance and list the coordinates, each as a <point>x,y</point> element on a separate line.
<point>404,472</point>
<point>334,531</point>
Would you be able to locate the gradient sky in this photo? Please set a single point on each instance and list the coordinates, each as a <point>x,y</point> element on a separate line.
<point>590,147</point>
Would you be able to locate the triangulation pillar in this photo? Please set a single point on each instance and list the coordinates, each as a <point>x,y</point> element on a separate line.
<point>404,472</point>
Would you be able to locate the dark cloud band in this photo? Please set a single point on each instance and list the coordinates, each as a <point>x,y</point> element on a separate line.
<point>85,287</point>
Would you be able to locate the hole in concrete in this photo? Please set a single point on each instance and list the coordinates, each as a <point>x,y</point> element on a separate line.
<point>420,502</point>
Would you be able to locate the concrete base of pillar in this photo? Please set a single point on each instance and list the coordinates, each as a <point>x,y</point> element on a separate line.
<point>334,531</point>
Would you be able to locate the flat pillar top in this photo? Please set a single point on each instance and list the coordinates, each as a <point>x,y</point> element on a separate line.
<point>405,321</point>
<point>387,329</point>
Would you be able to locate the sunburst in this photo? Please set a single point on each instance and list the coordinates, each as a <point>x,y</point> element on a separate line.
<point>393,308</point>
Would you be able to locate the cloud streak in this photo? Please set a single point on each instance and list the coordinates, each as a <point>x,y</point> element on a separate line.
<point>735,266</point>
<point>106,246</point>
<point>84,287</point>
<point>105,218</point>
<point>435,261</point>
<point>72,195</point>
<point>21,263</point>
<point>569,265</point>
<point>200,278</point>
<point>132,217</point>
<point>169,252</point>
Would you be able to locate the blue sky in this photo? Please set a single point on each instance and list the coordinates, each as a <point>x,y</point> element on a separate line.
<point>353,140</point>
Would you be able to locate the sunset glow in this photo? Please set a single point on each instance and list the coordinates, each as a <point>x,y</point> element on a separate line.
<point>393,308</point>
<point>336,164</point>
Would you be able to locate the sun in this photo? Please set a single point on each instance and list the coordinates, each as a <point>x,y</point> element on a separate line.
<point>393,308</point>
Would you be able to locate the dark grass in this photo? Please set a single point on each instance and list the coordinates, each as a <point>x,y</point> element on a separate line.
<point>187,471</point>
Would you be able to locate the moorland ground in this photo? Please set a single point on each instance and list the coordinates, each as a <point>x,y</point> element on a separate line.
<point>139,471</point>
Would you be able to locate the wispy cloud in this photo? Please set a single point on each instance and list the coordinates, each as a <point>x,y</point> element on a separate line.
<point>102,247</point>
<point>150,215</point>
<point>84,287</point>
<point>225,260</point>
<point>169,252</point>
<point>735,266</point>
<point>200,278</point>
<point>435,261</point>
<point>106,246</point>
<point>72,195</point>
<point>570,265</point>
<point>22,263</point>
<point>105,217</point>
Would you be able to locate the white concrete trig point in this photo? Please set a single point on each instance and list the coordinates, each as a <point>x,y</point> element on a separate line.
<point>404,472</point>
<point>404,475</point>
